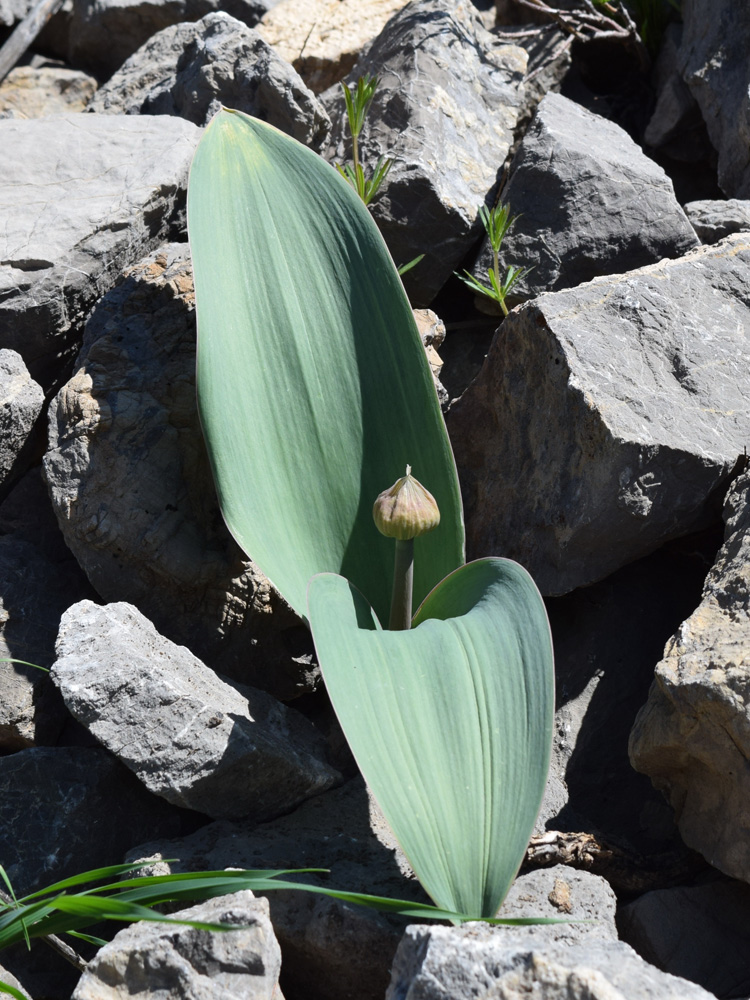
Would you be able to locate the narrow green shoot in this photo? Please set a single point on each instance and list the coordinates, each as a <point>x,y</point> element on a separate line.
<point>24,663</point>
<point>497,223</point>
<point>409,265</point>
<point>358,104</point>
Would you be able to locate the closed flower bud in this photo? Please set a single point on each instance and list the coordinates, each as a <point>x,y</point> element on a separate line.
<point>406,510</point>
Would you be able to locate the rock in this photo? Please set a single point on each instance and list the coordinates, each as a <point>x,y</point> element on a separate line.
<point>147,961</point>
<point>713,220</point>
<point>191,738</point>
<point>191,68</point>
<point>82,197</point>
<point>447,103</point>
<point>432,332</point>
<point>104,33</point>
<point>452,963</point>
<point>49,90</point>
<point>607,418</point>
<point>131,484</point>
<point>588,201</point>
<point>712,60</point>
<point>10,980</point>
<point>331,950</point>
<point>699,932</point>
<point>585,900</point>
<point>64,810</point>
<point>21,401</point>
<point>692,737</point>
<point>322,40</point>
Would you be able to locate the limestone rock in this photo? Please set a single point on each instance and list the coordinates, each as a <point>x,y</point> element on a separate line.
<point>699,932</point>
<point>21,401</point>
<point>446,106</point>
<point>82,197</point>
<point>190,737</point>
<point>589,203</point>
<point>104,33</point>
<point>607,418</point>
<point>64,810</point>
<point>11,980</point>
<point>713,63</point>
<point>147,960</point>
<point>323,38</point>
<point>692,737</point>
<point>190,68</point>
<point>331,950</point>
<point>131,484</point>
<point>452,963</point>
<point>33,92</point>
<point>713,220</point>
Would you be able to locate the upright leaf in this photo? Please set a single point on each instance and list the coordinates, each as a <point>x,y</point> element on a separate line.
<point>313,387</point>
<point>450,721</point>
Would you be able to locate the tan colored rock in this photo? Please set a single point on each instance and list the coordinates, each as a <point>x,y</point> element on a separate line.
<point>693,735</point>
<point>31,92</point>
<point>322,39</point>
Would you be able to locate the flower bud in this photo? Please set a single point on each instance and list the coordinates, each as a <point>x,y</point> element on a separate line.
<point>406,509</point>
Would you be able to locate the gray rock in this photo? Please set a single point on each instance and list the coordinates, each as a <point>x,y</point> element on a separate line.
<point>692,737</point>
<point>713,220</point>
<point>589,203</point>
<point>82,197</point>
<point>187,735</point>
<point>447,103</point>
<point>331,950</point>
<point>453,963</point>
<point>585,902</point>
<point>147,961</point>
<point>64,810</point>
<point>104,33</point>
<point>713,63</point>
<point>21,401</point>
<point>699,932</point>
<point>607,418</point>
<point>36,92</point>
<point>191,68</point>
<point>10,980</point>
<point>131,484</point>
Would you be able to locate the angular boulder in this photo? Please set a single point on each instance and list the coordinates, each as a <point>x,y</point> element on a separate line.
<point>35,92</point>
<point>452,963</point>
<point>21,401</point>
<point>692,737</point>
<point>189,69</point>
<point>191,738</point>
<point>589,202</point>
<point>148,960</point>
<point>608,418</point>
<point>713,220</point>
<point>82,197</point>
<point>104,33</point>
<point>446,106</point>
<point>713,62</point>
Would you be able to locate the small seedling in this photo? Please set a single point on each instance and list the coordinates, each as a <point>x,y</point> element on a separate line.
<point>358,103</point>
<point>497,222</point>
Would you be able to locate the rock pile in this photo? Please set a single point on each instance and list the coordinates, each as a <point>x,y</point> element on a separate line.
<point>600,432</point>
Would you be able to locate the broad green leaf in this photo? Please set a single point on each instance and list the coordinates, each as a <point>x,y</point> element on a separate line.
<point>450,721</point>
<point>313,387</point>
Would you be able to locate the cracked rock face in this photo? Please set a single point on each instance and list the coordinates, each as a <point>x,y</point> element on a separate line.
<point>447,104</point>
<point>82,197</point>
<point>21,401</point>
<point>692,737</point>
<point>131,485</point>
<point>190,69</point>
<point>607,418</point>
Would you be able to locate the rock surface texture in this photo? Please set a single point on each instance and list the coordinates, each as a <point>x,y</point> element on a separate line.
<point>693,735</point>
<point>21,401</point>
<point>31,92</point>
<point>190,69</point>
<point>81,197</point>
<point>131,485</point>
<point>149,961</point>
<point>607,418</point>
<point>453,963</point>
<point>713,63</point>
<point>188,736</point>
<point>104,33</point>
<point>713,220</point>
<point>589,203</point>
<point>447,103</point>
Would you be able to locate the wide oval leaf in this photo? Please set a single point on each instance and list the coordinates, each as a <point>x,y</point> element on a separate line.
<point>450,722</point>
<point>313,386</point>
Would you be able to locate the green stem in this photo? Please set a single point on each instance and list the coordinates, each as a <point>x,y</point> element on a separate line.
<point>403,581</point>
